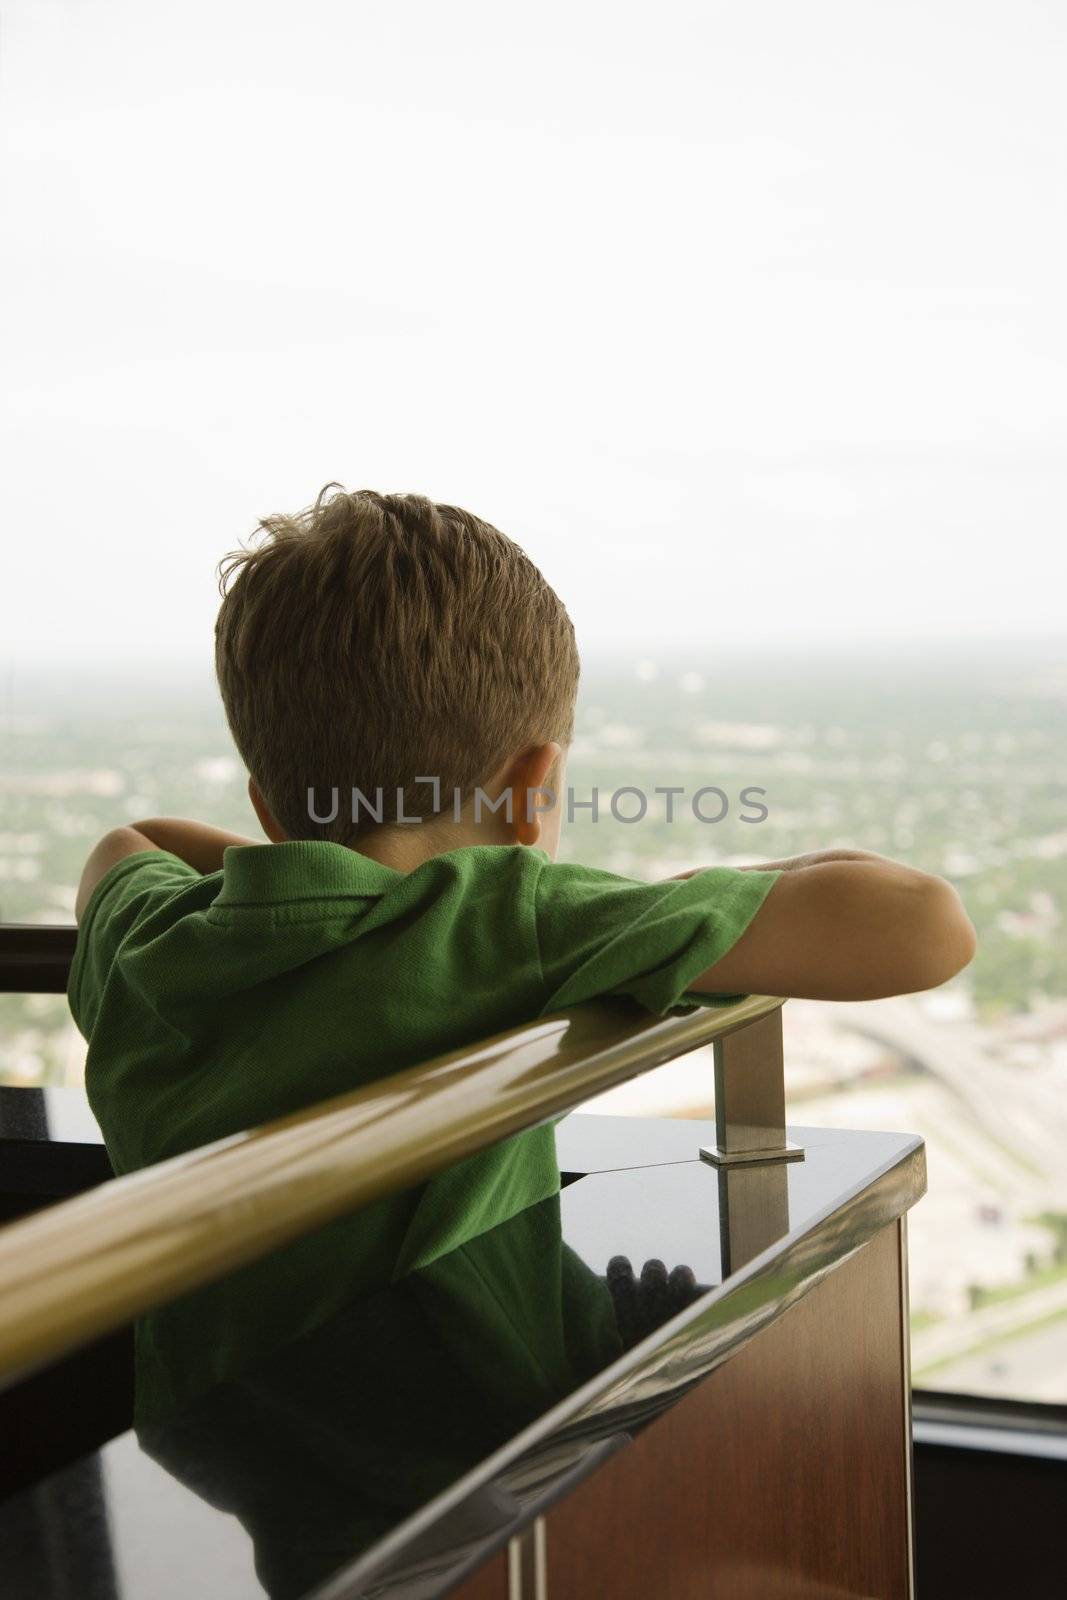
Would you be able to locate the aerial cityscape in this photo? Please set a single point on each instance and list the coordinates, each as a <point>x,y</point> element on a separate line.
<point>951,761</point>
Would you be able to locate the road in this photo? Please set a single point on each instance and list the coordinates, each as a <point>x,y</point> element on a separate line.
<point>955,1338</point>
<point>1022,1111</point>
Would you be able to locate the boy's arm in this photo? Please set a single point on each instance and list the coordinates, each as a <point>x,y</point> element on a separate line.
<point>813,858</point>
<point>847,925</point>
<point>197,844</point>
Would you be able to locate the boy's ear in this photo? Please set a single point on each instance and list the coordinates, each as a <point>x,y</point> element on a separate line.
<point>263,811</point>
<point>531,777</point>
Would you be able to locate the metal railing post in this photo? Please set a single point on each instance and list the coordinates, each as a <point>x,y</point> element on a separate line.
<point>750,1096</point>
<point>750,1144</point>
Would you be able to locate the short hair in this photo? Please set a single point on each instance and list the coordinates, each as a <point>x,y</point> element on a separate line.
<point>372,640</point>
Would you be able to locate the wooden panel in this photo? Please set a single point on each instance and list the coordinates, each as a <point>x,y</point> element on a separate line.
<point>488,1583</point>
<point>783,1475</point>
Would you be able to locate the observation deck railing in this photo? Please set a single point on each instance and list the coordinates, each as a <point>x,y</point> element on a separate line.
<point>81,1268</point>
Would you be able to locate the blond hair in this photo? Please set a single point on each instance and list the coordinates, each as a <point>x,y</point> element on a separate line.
<point>373,640</point>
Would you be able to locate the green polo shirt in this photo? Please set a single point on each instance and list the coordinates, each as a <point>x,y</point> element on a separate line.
<point>302,970</point>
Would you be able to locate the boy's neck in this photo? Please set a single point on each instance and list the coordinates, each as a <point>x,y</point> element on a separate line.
<point>405,848</point>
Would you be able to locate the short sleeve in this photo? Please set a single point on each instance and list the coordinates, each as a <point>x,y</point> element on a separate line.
<point>130,892</point>
<point>599,934</point>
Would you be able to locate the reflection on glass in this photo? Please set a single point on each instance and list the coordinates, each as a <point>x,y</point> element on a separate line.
<point>321,1446</point>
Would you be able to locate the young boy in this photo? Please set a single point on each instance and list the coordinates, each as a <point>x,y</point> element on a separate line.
<point>382,658</point>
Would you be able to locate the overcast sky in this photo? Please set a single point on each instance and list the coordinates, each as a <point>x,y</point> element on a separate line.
<point>746,320</point>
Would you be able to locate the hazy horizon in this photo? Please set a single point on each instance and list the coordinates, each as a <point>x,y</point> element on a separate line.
<point>636,657</point>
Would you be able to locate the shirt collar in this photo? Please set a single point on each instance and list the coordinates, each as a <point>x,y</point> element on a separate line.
<point>299,869</point>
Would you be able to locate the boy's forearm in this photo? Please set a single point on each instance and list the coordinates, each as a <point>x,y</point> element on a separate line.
<point>197,843</point>
<point>854,928</point>
<point>813,858</point>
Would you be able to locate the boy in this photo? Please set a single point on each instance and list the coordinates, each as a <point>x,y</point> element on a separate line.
<point>411,657</point>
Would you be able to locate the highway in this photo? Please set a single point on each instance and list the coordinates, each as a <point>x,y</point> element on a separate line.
<point>1022,1111</point>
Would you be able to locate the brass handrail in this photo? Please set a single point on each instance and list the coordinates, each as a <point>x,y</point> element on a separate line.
<point>88,1265</point>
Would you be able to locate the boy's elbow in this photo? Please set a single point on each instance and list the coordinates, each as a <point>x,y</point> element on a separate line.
<point>946,941</point>
<point>926,939</point>
<point>114,847</point>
